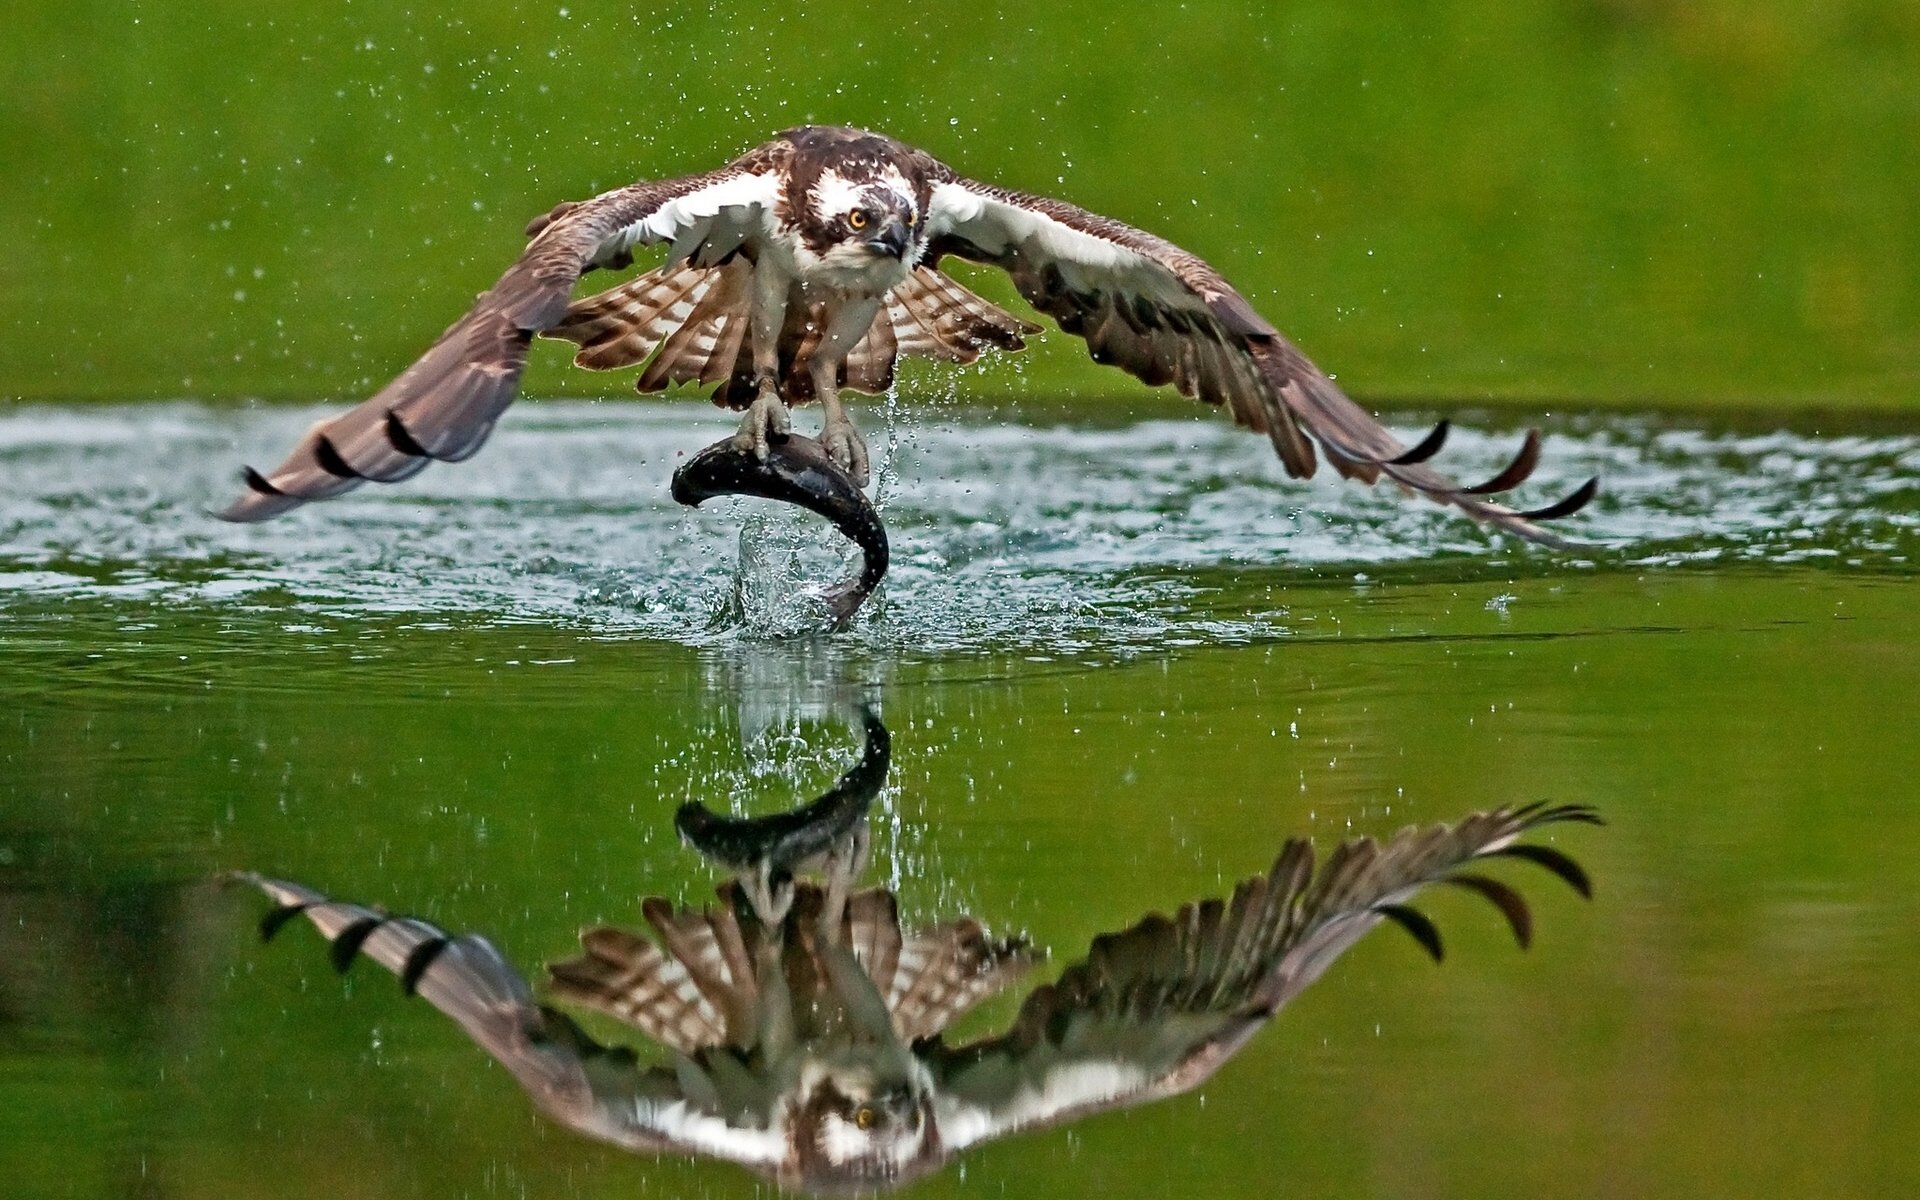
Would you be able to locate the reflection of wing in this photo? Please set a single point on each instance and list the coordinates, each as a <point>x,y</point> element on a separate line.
<point>1155,1010</point>
<point>1161,314</point>
<point>929,978</point>
<point>697,984</point>
<point>444,406</point>
<point>573,1079</point>
<point>698,987</point>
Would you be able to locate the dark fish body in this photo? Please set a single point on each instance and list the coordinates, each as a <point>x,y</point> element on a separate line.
<point>796,471</point>
<point>785,840</point>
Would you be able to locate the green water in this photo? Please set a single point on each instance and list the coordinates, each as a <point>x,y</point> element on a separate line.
<point>1729,1017</point>
<point>1733,1015</point>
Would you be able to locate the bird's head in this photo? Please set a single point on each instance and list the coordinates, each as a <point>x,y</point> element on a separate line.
<point>855,1128</point>
<point>857,200</point>
<point>857,213</point>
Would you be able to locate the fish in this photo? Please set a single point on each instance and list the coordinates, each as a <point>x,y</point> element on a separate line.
<point>789,841</point>
<point>798,471</point>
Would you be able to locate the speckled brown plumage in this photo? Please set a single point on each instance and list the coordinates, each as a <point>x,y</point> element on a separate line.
<point>697,983</point>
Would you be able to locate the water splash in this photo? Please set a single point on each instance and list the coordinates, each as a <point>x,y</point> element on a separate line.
<point>1056,539</point>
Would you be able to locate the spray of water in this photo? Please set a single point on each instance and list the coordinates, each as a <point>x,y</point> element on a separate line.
<point>1055,541</point>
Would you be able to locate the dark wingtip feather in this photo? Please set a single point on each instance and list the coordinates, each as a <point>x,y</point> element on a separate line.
<point>1515,472</point>
<point>347,943</point>
<point>1417,926</point>
<point>260,501</point>
<point>418,960</point>
<point>1585,814</point>
<point>1428,447</point>
<point>259,483</point>
<point>276,919</point>
<point>1504,898</point>
<point>1578,500</point>
<point>1553,860</point>
<point>331,460</point>
<point>401,439</point>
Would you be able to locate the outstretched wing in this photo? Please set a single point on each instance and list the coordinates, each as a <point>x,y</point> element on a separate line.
<point>1155,1010</point>
<point>444,406</point>
<point>694,988</point>
<point>583,1085</point>
<point>1161,314</point>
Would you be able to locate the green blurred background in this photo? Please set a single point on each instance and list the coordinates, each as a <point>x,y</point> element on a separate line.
<point>1598,201</point>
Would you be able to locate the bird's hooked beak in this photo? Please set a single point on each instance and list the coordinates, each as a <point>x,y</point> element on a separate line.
<point>892,238</point>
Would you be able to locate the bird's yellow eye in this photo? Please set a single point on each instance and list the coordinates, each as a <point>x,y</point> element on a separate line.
<point>864,1117</point>
<point>857,220</point>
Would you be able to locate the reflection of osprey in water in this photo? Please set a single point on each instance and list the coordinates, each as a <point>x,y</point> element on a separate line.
<point>811,1047</point>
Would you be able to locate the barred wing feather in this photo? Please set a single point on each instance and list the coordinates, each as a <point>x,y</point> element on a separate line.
<point>1163,315</point>
<point>1156,1009</point>
<point>585,1086</point>
<point>443,407</point>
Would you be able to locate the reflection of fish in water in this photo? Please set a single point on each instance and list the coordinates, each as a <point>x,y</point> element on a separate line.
<point>767,851</point>
<point>798,471</point>
<point>811,1049</point>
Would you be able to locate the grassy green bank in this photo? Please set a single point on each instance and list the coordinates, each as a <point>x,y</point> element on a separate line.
<point>1606,202</point>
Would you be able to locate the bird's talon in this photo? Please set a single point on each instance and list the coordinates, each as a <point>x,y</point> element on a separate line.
<point>765,425</point>
<point>844,445</point>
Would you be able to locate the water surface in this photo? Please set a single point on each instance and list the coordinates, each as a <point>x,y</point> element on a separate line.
<point>479,697</point>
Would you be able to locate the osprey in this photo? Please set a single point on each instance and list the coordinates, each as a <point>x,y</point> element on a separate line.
<point>810,1046</point>
<point>810,265</point>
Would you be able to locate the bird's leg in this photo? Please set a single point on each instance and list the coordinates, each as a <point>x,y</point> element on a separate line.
<point>842,441</point>
<point>845,861</point>
<point>765,422</point>
<point>844,330</point>
<point>860,845</point>
<point>766,419</point>
<point>773,999</point>
<point>771,898</point>
<point>865,1005</point>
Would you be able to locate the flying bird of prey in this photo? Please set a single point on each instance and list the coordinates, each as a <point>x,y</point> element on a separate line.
<point>812,264</point>
<point>812,1048</point>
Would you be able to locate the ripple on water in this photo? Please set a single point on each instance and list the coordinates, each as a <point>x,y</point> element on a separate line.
<point>1006,536</point>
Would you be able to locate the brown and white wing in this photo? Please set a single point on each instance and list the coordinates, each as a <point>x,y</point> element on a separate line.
<point>1166,317</point>
<point>929,978</point>
<point>929,315</point>
<point>693,989</point>
<point>444,406</point>
<point>576,1081</point>
<point>688,323</point>
<point>696,318</point>
<point>1155,1010</point>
